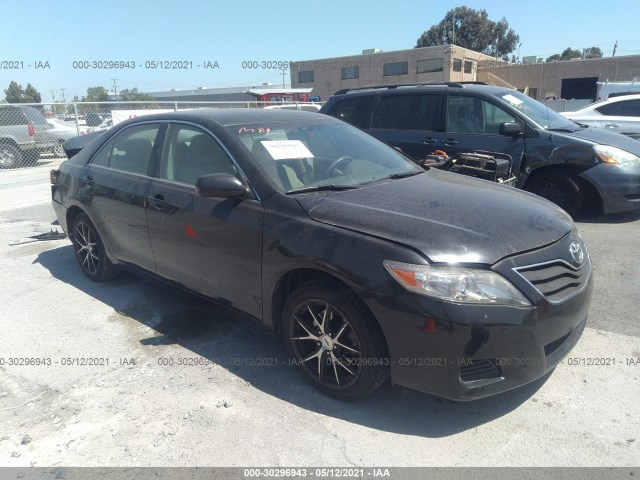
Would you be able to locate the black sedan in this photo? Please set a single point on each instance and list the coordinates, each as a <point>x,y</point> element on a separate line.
<point>368,266</point>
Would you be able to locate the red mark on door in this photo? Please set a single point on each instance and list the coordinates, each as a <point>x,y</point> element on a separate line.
<point>190,232</point>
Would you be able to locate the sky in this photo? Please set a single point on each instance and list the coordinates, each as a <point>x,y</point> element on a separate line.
<point>46,38</point>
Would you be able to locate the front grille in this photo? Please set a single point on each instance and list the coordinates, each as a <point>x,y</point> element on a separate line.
<point>557,280</point>
<point>479,370</point>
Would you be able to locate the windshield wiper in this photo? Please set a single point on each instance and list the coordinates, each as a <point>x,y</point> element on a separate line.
<point>410,173</point>
<point>320,188</point>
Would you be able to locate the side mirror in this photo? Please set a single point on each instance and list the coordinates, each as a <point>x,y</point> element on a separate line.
<point>220,185</point>
<point>510,129</point>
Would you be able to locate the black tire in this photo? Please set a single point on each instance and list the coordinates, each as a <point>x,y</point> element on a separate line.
<point>343,353</point>
<point>10,156</point>
<point>89,250</point>
<point>560,188</point>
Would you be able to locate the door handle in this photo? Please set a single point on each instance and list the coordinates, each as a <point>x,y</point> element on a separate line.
<point>88,180</point>
<point>612,125</point>
<point>157,200</point>
<point>429,140</point>
<point>450,141</point>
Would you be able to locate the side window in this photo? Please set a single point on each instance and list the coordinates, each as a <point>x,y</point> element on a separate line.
<point>406,112</point>
<point>624,108</point>
<point>607,109</point>
<point>467,114</point>
<point>354,110</point>
<point>190,153</point>
<point>103,156</point>
<point>132,148</point>
<point>10,116</point>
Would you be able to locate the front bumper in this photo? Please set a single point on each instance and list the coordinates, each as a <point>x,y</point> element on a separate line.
<point>466,352</point>
<point>618,186</point>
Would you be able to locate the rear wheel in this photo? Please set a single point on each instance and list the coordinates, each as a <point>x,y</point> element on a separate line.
<point>335,343</point>
<point>560,188</point>
<point>10,156</point>
<point>90,251</point>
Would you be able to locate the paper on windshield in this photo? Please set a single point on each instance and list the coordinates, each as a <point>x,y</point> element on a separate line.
<point>284,149</point>
<point>512,100</point>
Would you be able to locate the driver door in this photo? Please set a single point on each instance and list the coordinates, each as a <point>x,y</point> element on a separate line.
<point>210,245</point>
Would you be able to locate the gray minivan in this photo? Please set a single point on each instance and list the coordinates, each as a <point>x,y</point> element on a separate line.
<point>567,163</point>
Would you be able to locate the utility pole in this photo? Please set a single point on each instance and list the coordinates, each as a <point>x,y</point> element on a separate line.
<point>615,47</point>
<point>53,96</point>
<point>114,82</point>
<point>283,71</point>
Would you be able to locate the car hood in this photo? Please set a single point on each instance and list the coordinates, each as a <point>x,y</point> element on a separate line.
<point>604,137</point>
<point>448,217</point>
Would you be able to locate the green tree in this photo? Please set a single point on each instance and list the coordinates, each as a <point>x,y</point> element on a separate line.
<point>31,95</point>
<point>592,52</point>
<point>570,53</point>
<point>474,30</point>
<point>16,94</point>
<point>96,94</point>
<point>567,54</point>
<point>133,95</point>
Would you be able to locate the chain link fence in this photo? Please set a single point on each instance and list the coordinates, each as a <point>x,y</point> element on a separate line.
<point>33,134</point>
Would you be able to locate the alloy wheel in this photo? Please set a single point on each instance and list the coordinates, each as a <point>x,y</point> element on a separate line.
<point>86,248</point>
<point>325,344</point>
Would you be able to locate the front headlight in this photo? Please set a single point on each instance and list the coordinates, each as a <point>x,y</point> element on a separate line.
<point>609,154</point>
<point>456,284</point>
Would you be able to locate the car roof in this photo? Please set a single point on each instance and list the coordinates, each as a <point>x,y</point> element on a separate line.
<point>422,87</point>
<point>234,116</point>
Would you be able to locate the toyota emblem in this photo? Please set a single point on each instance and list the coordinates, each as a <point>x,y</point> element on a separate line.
<point>576,252</point>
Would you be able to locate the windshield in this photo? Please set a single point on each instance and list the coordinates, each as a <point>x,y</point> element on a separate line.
<point>536,111</point>
<point>301,155</point>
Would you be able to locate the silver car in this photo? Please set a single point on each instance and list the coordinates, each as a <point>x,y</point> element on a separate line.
<point>619,114</point>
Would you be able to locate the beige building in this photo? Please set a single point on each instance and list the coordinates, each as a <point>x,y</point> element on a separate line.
<point>450,63</point>
<point>567,79</point>
<point>442,63</point>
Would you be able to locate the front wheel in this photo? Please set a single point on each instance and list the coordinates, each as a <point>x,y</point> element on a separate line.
<point>560,188</point>
<point>90,251</point>
<point>334,341</point>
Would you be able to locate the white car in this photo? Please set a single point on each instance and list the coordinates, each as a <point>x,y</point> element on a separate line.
<point>620,113</point>
<point>61,132</point>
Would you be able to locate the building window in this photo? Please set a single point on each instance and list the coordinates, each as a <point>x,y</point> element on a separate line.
<point>305,77</point>
<point>457,65</point>
<point>430,65</point>
<point>350,72</point>
<point>468,66</point>
<point>397,68</point>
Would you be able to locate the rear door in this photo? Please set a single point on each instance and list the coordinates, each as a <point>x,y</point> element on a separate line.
<point>411,122</point>
<point>116,182</point>
<point>210,245</point>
